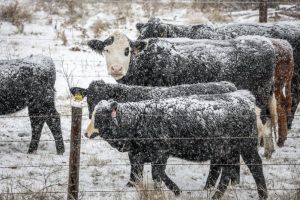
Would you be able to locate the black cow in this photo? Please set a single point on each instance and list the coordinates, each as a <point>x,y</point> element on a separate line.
<point>218,127</point>
<point>29,82</point>
<point>98,91</point>
<point>287,30</point>
<point>247,61</point>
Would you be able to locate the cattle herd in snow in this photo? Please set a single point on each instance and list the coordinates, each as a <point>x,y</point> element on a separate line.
<point>194,92</point>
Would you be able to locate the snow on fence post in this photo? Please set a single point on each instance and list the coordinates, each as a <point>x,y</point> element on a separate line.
<point>74,159</point>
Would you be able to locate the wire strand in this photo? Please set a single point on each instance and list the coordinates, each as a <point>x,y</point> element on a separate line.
<point>141,190</point>
<point>156,164</point>
<point>140,139</point>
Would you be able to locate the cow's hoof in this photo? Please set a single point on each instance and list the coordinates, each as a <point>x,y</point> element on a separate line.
<point>130,184</point>
<point>60,152</point>
<point>280,142</point>
<point>177,192</point>
<point>261,142</point>
<point>207,186</point>
<point>235,182</point>
<point>157,185</point>
<point>263,195</point>
<point>268,155</point>
<point>217,195</point>
<point>31,151</point>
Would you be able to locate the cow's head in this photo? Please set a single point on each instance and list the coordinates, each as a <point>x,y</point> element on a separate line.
<point>152,29</point>
<point>104,115</point>
<point>105,119</point>
<point>117,50</point>
<point>91,131</point>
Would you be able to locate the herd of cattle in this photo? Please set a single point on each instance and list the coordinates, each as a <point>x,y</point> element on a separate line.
<point>206,96</point>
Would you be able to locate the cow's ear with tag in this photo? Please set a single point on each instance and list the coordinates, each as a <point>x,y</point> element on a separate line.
<point>78,93</point>
<point>114,108</point>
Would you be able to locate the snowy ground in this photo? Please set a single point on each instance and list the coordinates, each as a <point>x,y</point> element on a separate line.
<point>102,167</point>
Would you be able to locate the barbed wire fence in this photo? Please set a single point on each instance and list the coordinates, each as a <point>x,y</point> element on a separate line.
<point>77,140</point>
<point>77,165</point>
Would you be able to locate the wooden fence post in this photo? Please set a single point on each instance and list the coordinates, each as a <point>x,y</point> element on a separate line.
<point>263,11</point>
<point>74,159</point>
<point>298,194</point>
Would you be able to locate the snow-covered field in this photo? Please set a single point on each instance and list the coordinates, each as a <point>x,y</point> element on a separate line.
<point>104,171</point>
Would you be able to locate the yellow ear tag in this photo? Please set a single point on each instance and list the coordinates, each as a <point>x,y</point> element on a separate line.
<point>78,97</point>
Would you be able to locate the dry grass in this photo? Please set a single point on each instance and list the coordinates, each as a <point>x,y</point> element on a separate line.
<point>75,11</point>
<point>15,14</point>
<point>151,8</point>
<point>20,189</point>
<point>196,18</point>
<point>71,10</point>
<point>99,27</point>
<point>62,36</point>
<point>145,192</point>
<point>216,15</point>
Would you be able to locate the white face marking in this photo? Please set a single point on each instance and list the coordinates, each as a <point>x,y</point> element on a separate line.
<point>90,130</point>
<point>116,61</point>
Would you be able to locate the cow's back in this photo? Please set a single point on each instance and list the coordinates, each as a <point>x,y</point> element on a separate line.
<point>212,121</point>
<point>22,80</point>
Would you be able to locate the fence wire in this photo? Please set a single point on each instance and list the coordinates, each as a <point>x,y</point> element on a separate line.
<point>141,139</point>
<point>156,164</point>
<point>122,139</point>
<point>144,190</point>
<point>123,114</point>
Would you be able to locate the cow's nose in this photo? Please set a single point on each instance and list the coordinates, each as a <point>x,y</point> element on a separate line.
<point>116,69</point>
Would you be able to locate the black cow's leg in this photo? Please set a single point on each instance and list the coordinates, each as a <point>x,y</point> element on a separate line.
<point>37,124</point>
<point>159,174</point>
<point>137,167</point>
<point>224,181</point>
<point>235,167</point>
<point>43,105</point>
<point>254,163</point>
<point>53,122</point>
<point>296,94</point>
<point>213,175</point>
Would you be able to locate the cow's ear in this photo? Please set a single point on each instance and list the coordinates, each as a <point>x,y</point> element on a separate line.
<point>139,26</point>
<point>96,45</point>
<point>114,109</point>
<point>137,46</point>
<point>78,93</point>
<point>114,105</point>
<point>109,41</point>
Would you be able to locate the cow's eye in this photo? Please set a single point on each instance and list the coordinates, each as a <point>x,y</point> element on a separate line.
<point>126,52</point>
<point>107,51</point>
